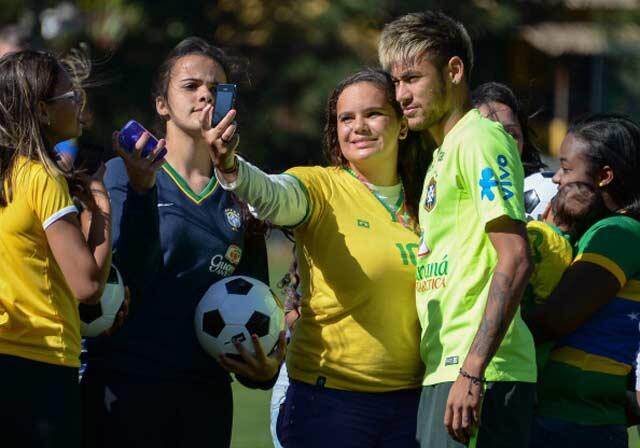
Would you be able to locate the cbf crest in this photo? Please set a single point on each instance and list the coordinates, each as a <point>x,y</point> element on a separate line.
<point>430,200</point>
<point>233,218</point>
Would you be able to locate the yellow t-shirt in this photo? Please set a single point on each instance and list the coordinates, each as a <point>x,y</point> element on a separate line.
<point>38,312</point>
<point>359,327</point>
<point>552,254</point>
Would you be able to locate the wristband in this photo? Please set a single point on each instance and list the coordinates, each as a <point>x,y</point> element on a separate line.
<point>233,169</point>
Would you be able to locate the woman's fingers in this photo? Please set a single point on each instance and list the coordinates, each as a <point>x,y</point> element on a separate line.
<point>205,118</point>
<point>231,365</point>
<point>249,358</point>
<point>257,347</point>
<point>229,134</point>
<point>140,144</point>
<point>226,121</point>
<point>154,156</point>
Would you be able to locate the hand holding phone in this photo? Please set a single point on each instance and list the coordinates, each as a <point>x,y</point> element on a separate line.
<point>141,170</point>
<point>225,101</point>
<point>131,133</point>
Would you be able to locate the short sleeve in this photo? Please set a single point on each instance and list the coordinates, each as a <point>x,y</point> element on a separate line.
<point>314,181</point>
<point>492,173</point>
<point>613,244</point>
<point>551,254</point>
<point>48,195</point>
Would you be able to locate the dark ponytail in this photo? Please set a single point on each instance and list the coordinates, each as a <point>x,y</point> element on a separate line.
<point>614,140</point>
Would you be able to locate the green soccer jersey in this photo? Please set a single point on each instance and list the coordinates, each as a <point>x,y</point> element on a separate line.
<point>585,380</point>
<point>476,176</point>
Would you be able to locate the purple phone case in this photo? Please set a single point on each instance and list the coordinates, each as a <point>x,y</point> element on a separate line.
<point>129,135</point>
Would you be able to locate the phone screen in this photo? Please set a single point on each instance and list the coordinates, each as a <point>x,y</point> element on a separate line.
<point>225,99</point>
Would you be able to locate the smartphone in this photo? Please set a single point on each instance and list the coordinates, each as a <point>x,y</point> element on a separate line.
<point>129,135</point>
<point>225,101</point>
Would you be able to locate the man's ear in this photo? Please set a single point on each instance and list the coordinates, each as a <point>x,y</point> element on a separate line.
<point>455,70</point>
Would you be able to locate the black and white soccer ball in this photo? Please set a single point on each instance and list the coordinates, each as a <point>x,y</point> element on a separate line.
<point>539,189</point>
<point>232,310</point>
<point>94,319</point>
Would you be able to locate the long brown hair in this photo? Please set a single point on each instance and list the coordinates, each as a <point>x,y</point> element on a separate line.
<point>26,78</point>
<point>415,151</point>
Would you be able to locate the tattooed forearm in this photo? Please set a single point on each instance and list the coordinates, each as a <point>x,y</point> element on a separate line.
<point>496,317</point>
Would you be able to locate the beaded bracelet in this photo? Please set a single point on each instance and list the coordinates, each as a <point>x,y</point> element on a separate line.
<point>477,380</point>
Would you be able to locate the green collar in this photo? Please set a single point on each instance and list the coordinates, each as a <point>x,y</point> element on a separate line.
<point>186,189</point>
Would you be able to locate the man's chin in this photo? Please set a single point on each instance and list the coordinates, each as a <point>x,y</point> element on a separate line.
<point>418,124</point>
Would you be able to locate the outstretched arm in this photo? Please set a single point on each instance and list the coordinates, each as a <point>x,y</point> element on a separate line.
<point>509,280</point>
<point>278,199</point>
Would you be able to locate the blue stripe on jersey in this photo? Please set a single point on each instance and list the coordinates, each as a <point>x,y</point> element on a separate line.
<point>613,332</point>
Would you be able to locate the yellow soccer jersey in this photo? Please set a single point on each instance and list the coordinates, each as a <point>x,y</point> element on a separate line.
<point>552,255</point>
<point>359,327</point>
<point>38,313</point>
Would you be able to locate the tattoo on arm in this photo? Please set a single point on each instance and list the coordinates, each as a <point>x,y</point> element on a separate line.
<point>496,318</point>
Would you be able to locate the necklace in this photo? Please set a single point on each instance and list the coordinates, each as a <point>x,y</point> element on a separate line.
<point>398,211</point>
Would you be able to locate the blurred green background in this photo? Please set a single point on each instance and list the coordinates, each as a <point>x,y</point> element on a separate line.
<point>564,58</point>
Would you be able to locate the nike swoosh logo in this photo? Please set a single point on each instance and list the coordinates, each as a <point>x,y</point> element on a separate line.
<point>165,204</point>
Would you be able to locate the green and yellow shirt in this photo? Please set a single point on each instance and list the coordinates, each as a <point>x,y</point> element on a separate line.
<point>359,327</point>
<point>585,378</point>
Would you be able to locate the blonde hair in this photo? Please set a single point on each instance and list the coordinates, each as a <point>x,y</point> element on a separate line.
<point>26,78</point>
<point>410,36</point>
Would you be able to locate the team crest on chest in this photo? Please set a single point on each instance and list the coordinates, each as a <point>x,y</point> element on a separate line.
<point>233,218</point>
<point>430,200</point>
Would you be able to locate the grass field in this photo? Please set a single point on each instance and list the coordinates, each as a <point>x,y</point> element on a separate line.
<point>634,439</point>
<point>250,418</point>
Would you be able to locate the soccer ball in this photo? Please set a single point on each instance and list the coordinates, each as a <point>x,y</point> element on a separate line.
<point>94,319</point>
<point>232,310</point>
<point>539,189</point>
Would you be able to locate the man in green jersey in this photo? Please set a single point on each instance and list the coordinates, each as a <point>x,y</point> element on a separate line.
<point>473,263</point>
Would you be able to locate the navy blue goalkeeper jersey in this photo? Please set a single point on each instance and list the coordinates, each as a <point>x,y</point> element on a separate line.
<point>170,246</point>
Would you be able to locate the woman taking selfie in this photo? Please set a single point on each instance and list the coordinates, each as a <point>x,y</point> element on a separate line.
<point>353,361</point>
<point>175,234</point>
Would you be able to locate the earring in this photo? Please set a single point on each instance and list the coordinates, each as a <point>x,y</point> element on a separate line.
<point>601,184</point>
